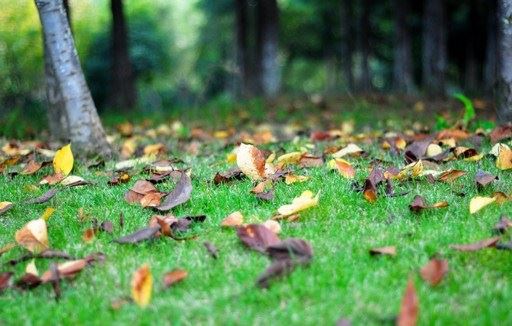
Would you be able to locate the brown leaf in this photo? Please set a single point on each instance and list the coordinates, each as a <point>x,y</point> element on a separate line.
<point>179,195</point>
<point>450,175</point>
<point>5,280</point>
<point>266,195</point>
<point>251,161</point>
<point>482,178</point>
<point>409,309</point>
<point>53,179</point>
<point>151,199</point>
<point>434,271</point>
<point>257,237</point>
<point>212,250</point>
<point>33,236</point>
<point>174,276</point>
<point>89,235</point>
<point>418,204</point>
<point>31,167</point>
<point>500,133</point>
<point>140,235</point>
<point>369,191</point>
<point>68,269</point>
<point>232,220</point>
<point>132,197</point>
<point>119,178</point>
<point>43,198</point>
<point>389,251</point>
<point>28,281</point>
<point>142,286</point>
<point>5,206</point>
<point>230,175</point>
<point>486,243</point>
<point>416,150</point>
<point>143,187</point>
<point>503,224</point>
<point>308,161</point>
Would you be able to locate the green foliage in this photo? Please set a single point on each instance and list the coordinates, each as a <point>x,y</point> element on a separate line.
<point>469,109</point>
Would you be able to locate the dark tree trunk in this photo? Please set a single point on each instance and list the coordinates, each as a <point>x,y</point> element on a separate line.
<point>123,93</point>
<point>472,71</point>
<point>268,47</point>
<point>504,82</point>
<point>403,80</point>
<point>83,128</point>
<point>347,43</point>
<point>491,47</point>
<point>434,47</point>
<point>242,48</point>
<point>365,83</point>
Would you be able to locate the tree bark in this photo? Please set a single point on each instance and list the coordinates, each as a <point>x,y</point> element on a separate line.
<point>434,47</point>
<point>268,47</point>
<point>365,83</point>
<point>491,54</point>
<point>504,82</point>
<point>84,128</point>
<point>403,80</point>
<point>123,94</point>
<point>347,43</point>
<point>242,48</point>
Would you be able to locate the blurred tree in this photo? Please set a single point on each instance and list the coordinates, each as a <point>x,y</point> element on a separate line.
<point>403,80</point>
<point>347,43</point>
<point>245,87</point>
<point>365,82</point>
<point>434,47</point>
<point>82,124</point>
<point>504,82</point>
<point>491,46</point>
<point>268,47</point>
<point>123,95</point>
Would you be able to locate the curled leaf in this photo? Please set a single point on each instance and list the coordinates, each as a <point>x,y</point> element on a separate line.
<point>33,236</point>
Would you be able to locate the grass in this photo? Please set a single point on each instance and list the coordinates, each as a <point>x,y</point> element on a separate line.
<point>343,280</point>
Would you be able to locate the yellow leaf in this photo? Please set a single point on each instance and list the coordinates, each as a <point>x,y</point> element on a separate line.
<point>344,167</point>
<point>48,212</point>
<point>293,178</point>
<point>289,158</point>
<point>142,285</point>
<point>478,202</point>
<point>33,236</point>
<point>5,206</point>
<point>351,149</point>
<point>231,158</point>
<point>504,161</point>
<point>304,201</point>
<point>31,268</point>
<point>63,160</point>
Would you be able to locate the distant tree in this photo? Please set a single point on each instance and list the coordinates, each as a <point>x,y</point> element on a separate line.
<point>123,94</point>
<point>434,47</point>
<point>268,47</point>
<point>403,79</point>
<point>347,41</point>
<point>79,121</point>
<point>242,48</point>
<point>365,83</point>
<point>491,46</point>
<point>504,78</point>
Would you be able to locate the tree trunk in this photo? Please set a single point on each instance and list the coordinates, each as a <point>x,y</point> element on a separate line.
<point>490,65</point>
<point>242,48</point>
<point>123,95</point>
<point>403,80</point>
<point>347,44</point>
<point>83,124</point>
<point>365,83</point>
<point>504,82</point>
<point>268,47</point>
<point>434,47</point>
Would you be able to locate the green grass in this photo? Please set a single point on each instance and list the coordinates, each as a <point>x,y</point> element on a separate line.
<point>342,280</point>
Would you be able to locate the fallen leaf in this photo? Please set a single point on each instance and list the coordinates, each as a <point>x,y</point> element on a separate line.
<point>504,160</point>
<point>503,225</point>
<point>140,235</point>
<point>257,236</point>
<point>174,276</point>
<point>273,226</point>
<point>142,286</point>
<point>478,202</point>
<point>482,178</point>
<point>143,187</point>
<point>68,269</point>
<point>250,161</point>
<point>304,201</point>
<point>500,133</point>
<point>350,149</point>
<point>387,251</point>
<point>434,271</point>
<point>89,235</point>
<point>5,206</point>
<point>409,309</point>
<point>292,178</point>
<point>230,175</point>
<point>28,281</point>
<point>31,167</point>
<point>5,281</point>
<point>7,247</point>
<point>212,250</point>
<point>180,194</point>
<point>343,167</point>
<point>33,236</point>
<point>486,243</point>
<point>151,199</point>
<point>63,160</point>
<point>232,220</point>
<point>450,175</point>
<point>31,268</point>
<point>73,181</point>
<point>369,191</point>
<point>43,198</point>
<point>418,204</point>
<point>266,195</point>
<point>48,212</point>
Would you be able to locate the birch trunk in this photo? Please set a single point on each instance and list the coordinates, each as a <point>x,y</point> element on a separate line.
<point>504,82</point>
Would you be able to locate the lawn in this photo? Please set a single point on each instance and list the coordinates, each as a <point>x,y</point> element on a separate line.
<point>342,281</point>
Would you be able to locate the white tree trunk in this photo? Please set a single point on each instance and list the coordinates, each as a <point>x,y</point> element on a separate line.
<point>504,82</point>
<point>84,127</point>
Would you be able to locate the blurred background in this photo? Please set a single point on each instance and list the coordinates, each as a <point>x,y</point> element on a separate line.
<point>154,56</point>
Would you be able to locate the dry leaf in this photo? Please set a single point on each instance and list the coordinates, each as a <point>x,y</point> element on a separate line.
<point>257,236</point>
<point>31,268</point>
<point>63,160</point>
<point>350,149</point>
<point>273,226</point>
<point>43,198</point>
<point>31,168</point>
<point>478,202</point>
<point>344,168</point>
<point>250,161</point>
<point>142,286</point>
<point>174,276</point>
<point>33,236</point>
<point>388,250</point>
<point>48,212</point>
<point>504,160</point>
<point>409,309</point>
<point>486,243</point>
<point>304,201</point>
<point>292,178</point>
<point>151,199</point>
<point>232,220</point>
<point>5,206</point>
<point>179,195</point>
<point>450,175</point>
<point>434,271</point>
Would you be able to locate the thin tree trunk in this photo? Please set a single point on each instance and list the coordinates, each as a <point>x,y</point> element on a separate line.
<point>504,82</point>
<point>364,46</point>
<point>123,93</point>
<point>84,127</point>
<point>434,47</point>
<point>347,43</point>
<point>242,47</point>
<point>490,65</point>
<point>268,47</point>
<point>403,80</point>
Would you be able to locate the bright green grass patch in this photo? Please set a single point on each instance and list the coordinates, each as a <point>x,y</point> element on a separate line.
<point>342,280</point>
